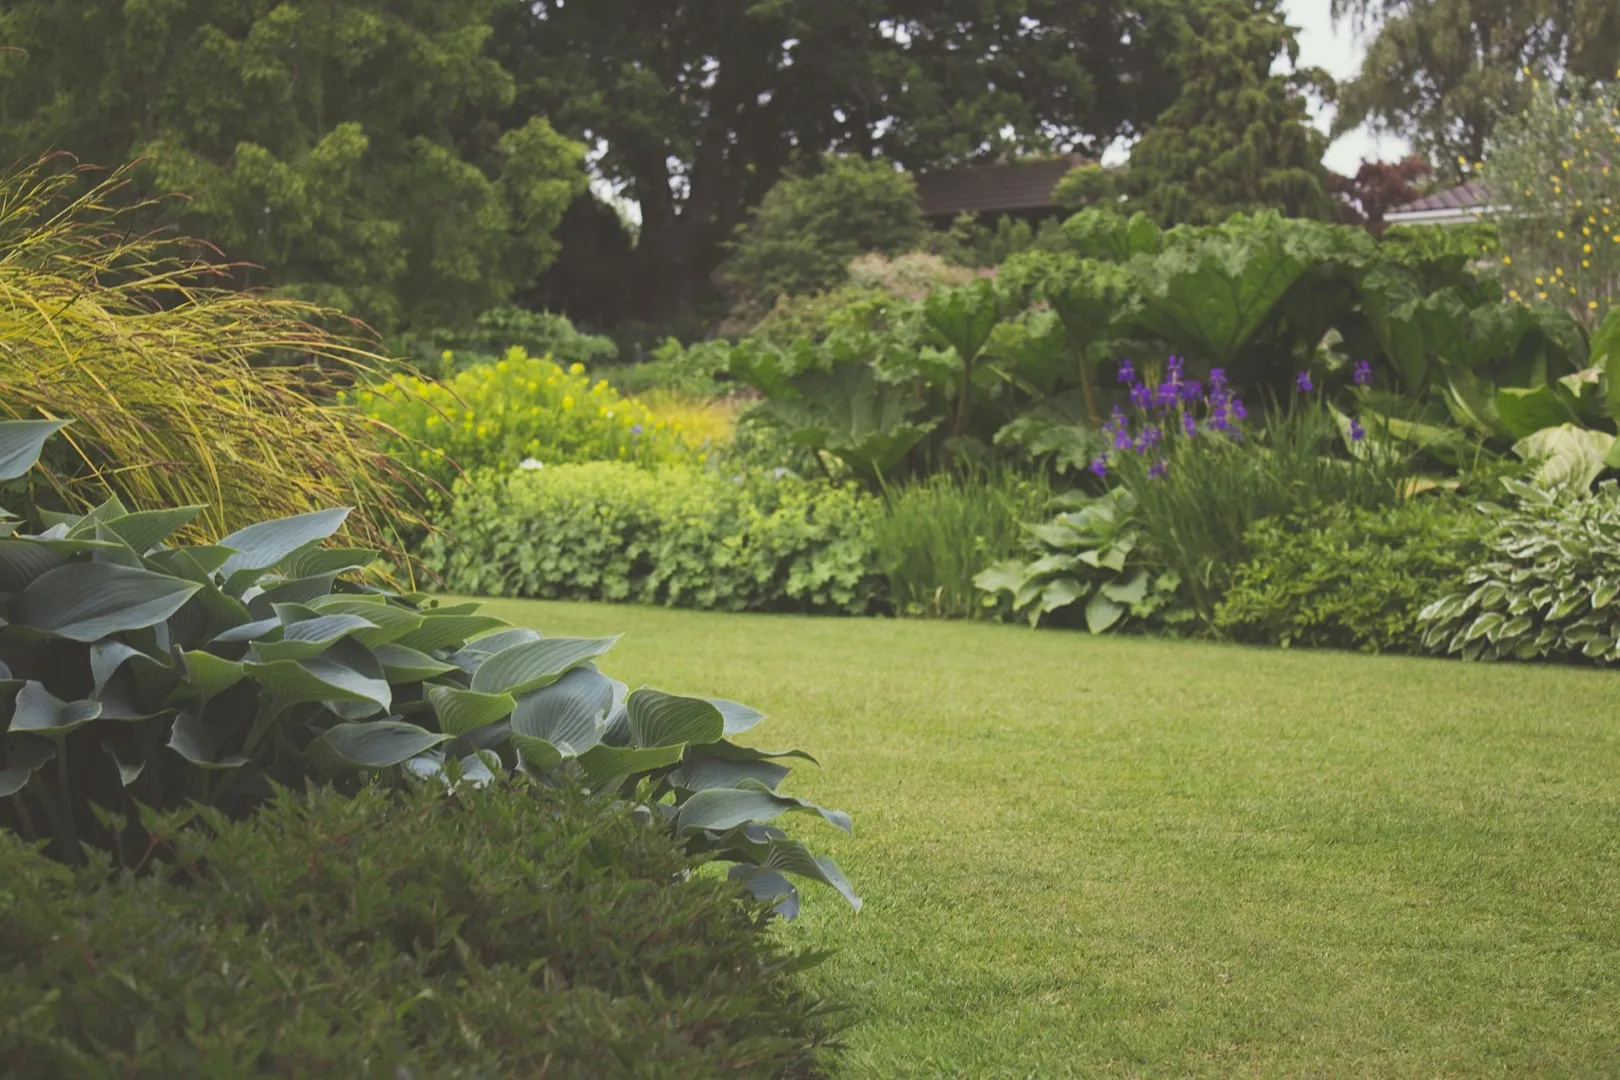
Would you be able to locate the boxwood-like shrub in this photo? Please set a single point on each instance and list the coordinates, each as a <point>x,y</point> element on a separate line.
<point>681,537</point>
<point>487,933</point>
<point>1342,577</point>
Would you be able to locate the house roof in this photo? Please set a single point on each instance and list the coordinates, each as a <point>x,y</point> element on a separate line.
<point>978,189</point>
<point>1454,205</point>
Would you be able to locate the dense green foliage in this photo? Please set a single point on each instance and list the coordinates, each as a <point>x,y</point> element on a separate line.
<point>677,536</point>
<point>1544,588</point>
<point>352,149</point>
<point>809,226</point>
<point>1442,73</point>
<point>1344,577</point>
<point>166,674</point>
<point>499,330</point>
<point>933,536</point>
<point>501,412</point>
<point>504,931</point>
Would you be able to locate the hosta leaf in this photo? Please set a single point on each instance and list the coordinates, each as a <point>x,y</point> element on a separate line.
<point>531,665</point>
<point>346,672</point>
<point>313,561</point>
<point>211,675</point>
<point>277,591</point>
<point>538,756</point>
<point>475,652</point>
<point>23,561</point>
<point>739,718</point>
<point>23,758</point>
<point>1102,613</point>
<point>270,629</point>
<point>21,442</point>
<point>569,714</point>
<point>377,745</point>
<point>39,712</point>
<point>266,544</point>
<point>603,763</point>
<point>403,665</point>
<point>442,631</point>
<point>107,657</point>
<point>660,719</point>
<point>729,751</point>
<point>460,711</point>
<point>769,887</point>
<point>309,637</point>
<point>1483,625</point>
<point>792,857</point>
<point>88,601</point>
<point>699,771</point>
<point>146,529</point>
<point>192,563</point>
<point>719,809</point>
<point>1061,593</point>
<point>389,622</point>
<point>127,773</point>
<point>1130,592</point>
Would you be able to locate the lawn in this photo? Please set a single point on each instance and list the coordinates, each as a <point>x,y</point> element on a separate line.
<point>1124,857</point>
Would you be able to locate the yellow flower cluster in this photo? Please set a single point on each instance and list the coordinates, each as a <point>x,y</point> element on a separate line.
<point>517,408</point>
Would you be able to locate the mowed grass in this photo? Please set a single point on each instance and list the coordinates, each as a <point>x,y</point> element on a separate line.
<point>1124,857</point>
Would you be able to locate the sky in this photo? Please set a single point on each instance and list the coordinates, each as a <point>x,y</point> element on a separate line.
<point>1337,51</point>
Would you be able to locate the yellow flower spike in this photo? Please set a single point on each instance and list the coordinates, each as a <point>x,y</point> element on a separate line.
<point>1586,264</point>
<point>1591,305</point>
<point>703,459</point>
<point>1565,163</point>
<point>1587,248</point>
<point>483,429</point>
<point>1558,271</point>
<point>501,366</point>
<point>1559,234</point>
<point>568,401</point>
<point>1591,221</point>
<point>1542,295</point>
<point>1513,294</point>
<point>1507,260</point>
<point>447,356</point>
<point>1539,281</point>
<point>576,369</point>
<point>1586,230</point>
<point>432,421</point>
<point>532,386</point>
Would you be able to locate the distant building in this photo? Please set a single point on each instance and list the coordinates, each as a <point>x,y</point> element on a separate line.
<point>1021,190</point>
<point>1461,205</point>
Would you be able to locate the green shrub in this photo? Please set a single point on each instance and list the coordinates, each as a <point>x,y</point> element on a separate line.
<point>692,370</point>
<point>514,930</point>
<point>1345,577</point>
<point>499,330</point>
<point>166,674</point>
<point>933,536</point>
<point>676,536</point>
<point>521,406</point>
<point>1545,587</point>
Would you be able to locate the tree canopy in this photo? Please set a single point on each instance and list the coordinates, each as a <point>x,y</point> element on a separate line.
<point>353,149</point>
<point>1443,72</point>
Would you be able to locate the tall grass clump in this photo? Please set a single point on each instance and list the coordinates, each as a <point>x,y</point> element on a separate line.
<point>182,391</point>
<point>934,535</point>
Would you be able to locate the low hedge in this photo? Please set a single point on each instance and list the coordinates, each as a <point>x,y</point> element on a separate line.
<point>1348,578</point>
<point>487,933</point>
<point>681,537</point>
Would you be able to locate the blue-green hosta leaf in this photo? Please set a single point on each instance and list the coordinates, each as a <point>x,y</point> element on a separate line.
<point>389,622</point>
<point>719,809</point>
<point>739,718</point>
<point>531,665</point>
<point>403,665</point>
<point>194,739</point>
<point>442,631</point>
<point>269,629</point>
<point>1102,613</point>
<point>209,614</point>
<point>304,639</point>
<point>471,655</point>
<point>569,714</point>
<point>274,591</point>
<point>1060,594</point>
<point>602,763</point>
<point>1130,592</point>
<point>730,751</point>
<point>23,758</point>
<point>792,857</point>
<point>1005,576</point>
<point>313,561</point>
<point>1566,455</point>
<point>146,529</point>
<point>107,657</point>
<point>24,561</point>
<point>346,672</point>
<point>377,745</point>
<point>39,712</point>
<point>460,711</point>
<point>21,442</point>
<point>127,773</point>
<point>192,563</point>
<point>536,756</point>
<point>89,601</point>
<point>266,544</point>
<point>698,771</point>
<point>660,719</point>
<point>211,675</point>
<point>769,887</point>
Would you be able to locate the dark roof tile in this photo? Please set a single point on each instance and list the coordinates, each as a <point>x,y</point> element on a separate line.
<point>1465,196</point>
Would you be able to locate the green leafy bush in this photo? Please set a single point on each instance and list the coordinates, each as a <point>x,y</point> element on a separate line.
<point>166,674</point>
<point>1545,587</point>
<point>933,536</point>
<point>1089,552</point>
<point>499,330</point>
<point>693,370</point>
<point>676,536</point>
<point>518,407</point>
<point>514,930</point>
<point>1345,577</point>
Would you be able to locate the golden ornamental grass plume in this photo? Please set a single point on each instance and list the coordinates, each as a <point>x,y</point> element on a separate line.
<point>182,390</point>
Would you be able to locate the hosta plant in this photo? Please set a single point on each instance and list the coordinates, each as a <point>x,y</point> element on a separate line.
<point>1088,555</point>
<point>134,669</point>
<point>1547,586</point>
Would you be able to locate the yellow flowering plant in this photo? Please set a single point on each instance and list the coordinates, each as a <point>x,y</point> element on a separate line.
<point>1553,182</point>
<point>516,409</point>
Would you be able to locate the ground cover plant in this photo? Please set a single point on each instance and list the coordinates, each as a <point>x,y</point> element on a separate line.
<point>1175,858</point>
<point>504,930</point>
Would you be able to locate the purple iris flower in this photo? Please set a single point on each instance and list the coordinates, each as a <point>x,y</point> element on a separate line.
<point>1189,426</point>
<point>1357,432</point>
<point>1174,366</point>
<point>1218,420</point>
<point>636,430</point>
<point>1363,373</point>
<point>1238,411</point>
<point>1217,379</point>
<point>1098,466</point>
<point>1158,469</point>
<point>1302,382</point>
<point>1122,439</point>
<point>1169,394</point>
<point>1127,372</point>
<point>1151,437</point>
<point>1191,391</point>
<point>1141,396</point>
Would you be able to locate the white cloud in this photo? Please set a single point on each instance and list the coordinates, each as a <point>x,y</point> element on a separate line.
<point>1337,50</point>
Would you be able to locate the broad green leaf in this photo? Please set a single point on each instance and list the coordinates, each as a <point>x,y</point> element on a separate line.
<point>730,751</point>
<point>304,639</point>
<point>1567,455</point>
<point>211,675</point>
<point>39,712</point>
<point>1131,592</point>
<point>768,887</point>
<point>471,655</point>
<point>88,601</point>
<point>194,739</point>
<point>699,771</point>
<point>792,857</point>
<point>274,591</point>
<point>660,719</point>
<point>403,665</point>
<point>739,718</point>
<point>460,711</point>
<point>719,809</point>
<point>24,561</point>
<point>107,657</point>
<point>146,529</point>
<point>127,774</point>
<point>21,442</point>
<point>442,631</point>
<point>270,629</point>
<point>1526,411</point>
<point>346,672</point>
<point>266,544</point>
<point>377,745</point>
<point>538,756</point>
<point>23,758</point>
<point>389,622</point>
<point>603,763</point>
<point>1102,613</point>
<point>569,714</point>
<point>315,561</point>
<point>534,664</point>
